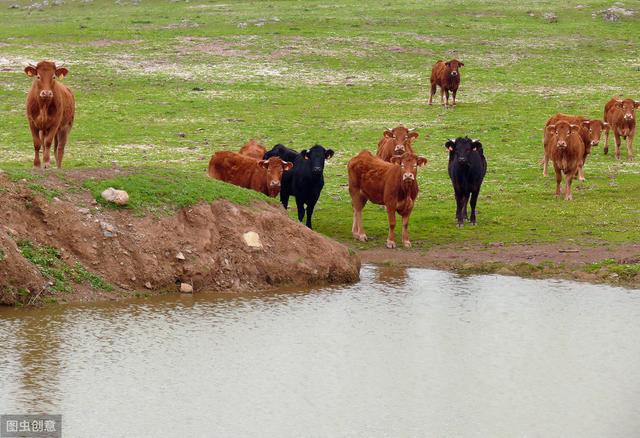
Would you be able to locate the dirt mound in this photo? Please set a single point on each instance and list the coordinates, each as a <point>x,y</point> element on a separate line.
<point>87,252</point>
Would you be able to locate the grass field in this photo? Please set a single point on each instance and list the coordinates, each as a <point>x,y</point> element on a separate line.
<point>337,74</point>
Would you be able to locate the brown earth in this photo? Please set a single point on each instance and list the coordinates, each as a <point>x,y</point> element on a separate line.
<point>543,260</point>
<point>145,254</point>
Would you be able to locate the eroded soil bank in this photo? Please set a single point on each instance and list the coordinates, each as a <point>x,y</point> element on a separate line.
<point>617,264</point>
<point>69,248</point>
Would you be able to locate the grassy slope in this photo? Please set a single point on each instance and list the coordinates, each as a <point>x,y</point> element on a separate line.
<point>338,75</point>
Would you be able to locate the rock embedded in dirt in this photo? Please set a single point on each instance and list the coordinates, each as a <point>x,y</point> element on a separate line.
<point>118,197</point>
<point>186,288</point>
<point>148,285</point>
<point>551,17</point>
<point>252,239</point>
<point>180,256</point>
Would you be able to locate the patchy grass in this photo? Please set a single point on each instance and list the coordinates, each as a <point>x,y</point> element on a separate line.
<point>335,74</point>
<point>165,190</point>
<point>625,271</point>
<point>48,260</point>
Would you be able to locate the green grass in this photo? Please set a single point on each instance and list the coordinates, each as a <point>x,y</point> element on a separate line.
<point>49,261</point>
<point>160,190</point>
<point>625,271</point>
<point>338,74</point>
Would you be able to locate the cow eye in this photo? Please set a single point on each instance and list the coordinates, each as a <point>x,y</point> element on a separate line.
<point>38,76</point>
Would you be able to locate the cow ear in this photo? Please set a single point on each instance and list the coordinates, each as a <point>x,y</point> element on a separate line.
<point>61,73</point>
<point>30,70</point>
<point>636,104</point>
<point>286,165</point>
<point>448,64</point>
<point>619,103</point>
<point>263,163</point>
<point>461,64</point>
<point>413,135</point>
<point>550,128</point>
<point>605,124</point>
<point>422,161</point>
<point>574,128</point>
<point>396,159</point>
<point>304,154</point>
<point>450,144</point>
<point>387,133</point>
<point>328,154</point>
<point>476,144</point>
<point>586,123</point>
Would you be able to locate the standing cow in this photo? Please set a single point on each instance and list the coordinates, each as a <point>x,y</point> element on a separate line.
<point>253,149</point>
<point>392,184</point>
<point>590,132</point>
<point>621,116</point>
<point>566,149</point>
<point>50,111</point>
<point>396,141</point>
<point>305,180</point>
<point>467,168</point>
<point>445,75</point>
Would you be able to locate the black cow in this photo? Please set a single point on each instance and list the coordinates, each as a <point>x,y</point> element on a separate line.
<point>467,168</point>
<point>305,180</point>
<point>281,151</point>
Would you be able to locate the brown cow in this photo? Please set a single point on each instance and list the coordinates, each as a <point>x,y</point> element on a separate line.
<point>396,141</point>
<point>565,148</point>
<point>621,116</point>
<point>391,184</point>
<point>446,76</point>
<point>253,149</point>
<point>50,111</point>
<point>590,132</point>
<point>264,176</point>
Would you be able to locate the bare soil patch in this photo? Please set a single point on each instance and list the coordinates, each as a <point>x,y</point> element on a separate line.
<point>201,245</point>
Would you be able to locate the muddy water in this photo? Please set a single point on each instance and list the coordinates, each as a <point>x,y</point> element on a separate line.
<point>404,353</point>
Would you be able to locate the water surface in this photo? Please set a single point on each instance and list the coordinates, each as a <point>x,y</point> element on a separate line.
<point>403,353</point>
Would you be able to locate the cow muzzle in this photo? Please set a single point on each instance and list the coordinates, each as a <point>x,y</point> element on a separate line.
<point>594,142</point>
<point>46,94</point>
<point>399,148</point>
<point>628,116</point>
<point>454,73</point>
<point>408,177</point>
<point>316,170</point>
<point>274,184</point>
<point>562,144</point>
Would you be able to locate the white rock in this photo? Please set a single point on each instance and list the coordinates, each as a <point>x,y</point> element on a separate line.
<point>186,288</point>
<point>118,197</point>
<point>148,285</point>
<point>252,239</point>
<point>180,256</point>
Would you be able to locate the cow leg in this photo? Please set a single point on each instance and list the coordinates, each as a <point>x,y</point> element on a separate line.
<point>446,92</point>
<point>61,141</point>
<point>606,141</point>
<point>405,230</point>
<point>454,92</point>
<point>581,171</point>
<point>358,202</point>
<point>473,201</point>
<point>459,199</point>
<point>545,165</point>
<point>433,92</point>
<point>284,198</point>
<point>391,238</point>
<point>310,207</point>
<point>465,215</point>
<point>618,141</point>
<point>46,157</point>
<point>300,205</point>
<point>630,147</point>
<point>35,135</point>
<point>558,173</point>
<point>442,96</point>
<point>569,178</point>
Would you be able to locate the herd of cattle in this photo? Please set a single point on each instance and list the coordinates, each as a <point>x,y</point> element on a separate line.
<point>387,178</point>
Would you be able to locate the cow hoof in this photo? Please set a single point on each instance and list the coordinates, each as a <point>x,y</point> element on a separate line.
<point>390,244</point>
<point>407,244</point>
<point>568,198</point>
<point>606,151</point>
<point>581,178</point>
<point>460,225</point>
<point>361,237</point>
<point>474,223</point>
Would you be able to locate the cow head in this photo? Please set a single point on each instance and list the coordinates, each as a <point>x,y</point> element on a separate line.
<point>402,138</point>
<point>45,73</point>
<point>562,132</point>
<point>628,107</point>
<point>316,156</point>
<point>453,66</point>
<point>275,167</point>
<point>595,128</point>
<point>274,152</point>
<point>409,164</point>
<point>462,149</point>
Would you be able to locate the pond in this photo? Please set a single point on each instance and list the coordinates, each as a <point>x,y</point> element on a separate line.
<point>403,353</point>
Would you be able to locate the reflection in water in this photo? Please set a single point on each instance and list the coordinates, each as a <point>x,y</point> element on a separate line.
<point>410,353</point>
